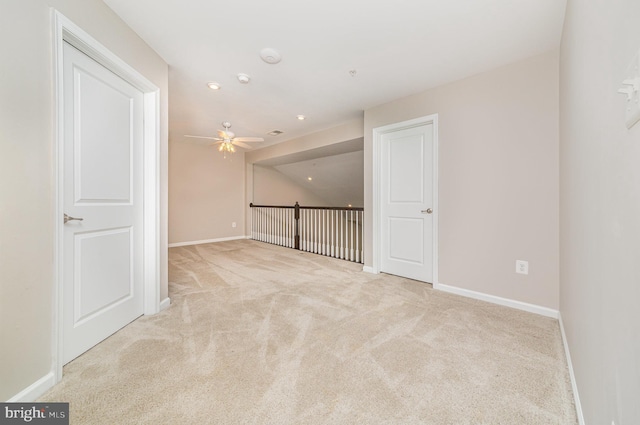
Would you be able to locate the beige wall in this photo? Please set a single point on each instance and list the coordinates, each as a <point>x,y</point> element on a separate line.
<point>26,172</point>
<point>295,148</point>
<point>498,178</point>
<point>271,187</point>
<point>206,193</point>
<point>341,133</point>
<point>600,209</point>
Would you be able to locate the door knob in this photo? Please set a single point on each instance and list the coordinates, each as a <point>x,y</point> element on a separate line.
<point>69,218</point>
<point>427,211</point>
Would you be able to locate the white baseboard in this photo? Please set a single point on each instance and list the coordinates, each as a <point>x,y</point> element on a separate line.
<point>574,385</point>
<point>531,308</point>
<point>35,390</point>
<point>368,269</point>
<point>232,238</point>
<point>164,304</point>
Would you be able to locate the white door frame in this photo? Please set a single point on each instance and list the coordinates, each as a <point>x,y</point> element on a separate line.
<point>378,132</point>
<point>65,30</point>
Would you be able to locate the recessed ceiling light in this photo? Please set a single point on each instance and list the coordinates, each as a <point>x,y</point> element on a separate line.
<point>275,133</point>
<point>243,78</point>
<point>213,85</point>
<point>309,178</point>
<point>301,117</point>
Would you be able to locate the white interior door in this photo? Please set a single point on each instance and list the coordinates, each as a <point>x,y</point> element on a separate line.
<point>407,202</point>
<point>102,268</point>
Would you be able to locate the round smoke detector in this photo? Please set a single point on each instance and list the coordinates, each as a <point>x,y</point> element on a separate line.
<point>271,56</point>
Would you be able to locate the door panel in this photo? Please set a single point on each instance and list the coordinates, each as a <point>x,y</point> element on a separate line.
<point>402,248</point>
<point>102,266</point>
<point>406,195</point>
<point>99,284</point>
<point>406,167</point>
<point>103,148</point>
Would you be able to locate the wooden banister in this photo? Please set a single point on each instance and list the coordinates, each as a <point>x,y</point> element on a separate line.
<point>331,231</point>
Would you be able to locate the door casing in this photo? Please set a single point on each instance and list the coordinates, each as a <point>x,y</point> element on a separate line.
<point>378,132</point>
<point>66,30</point>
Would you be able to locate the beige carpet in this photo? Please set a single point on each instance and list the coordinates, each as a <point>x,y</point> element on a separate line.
<point>260,334</point>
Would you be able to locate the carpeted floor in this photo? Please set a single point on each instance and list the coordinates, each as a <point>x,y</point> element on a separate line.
<point>260,334</point>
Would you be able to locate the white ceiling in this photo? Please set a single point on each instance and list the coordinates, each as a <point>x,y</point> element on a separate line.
<point>337,179</point>
<point>398,48</point>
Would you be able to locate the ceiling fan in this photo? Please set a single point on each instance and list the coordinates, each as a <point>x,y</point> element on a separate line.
<point>228,140</point>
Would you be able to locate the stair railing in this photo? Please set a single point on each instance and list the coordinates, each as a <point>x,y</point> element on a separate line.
<point>331,231</point>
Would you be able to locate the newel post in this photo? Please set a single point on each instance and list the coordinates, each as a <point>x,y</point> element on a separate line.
<point>296,215</point>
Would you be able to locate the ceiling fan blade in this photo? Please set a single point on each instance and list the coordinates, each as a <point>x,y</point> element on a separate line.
<point>201,137</point>
<point>225,134</point>
<point>248,139</point>
<point>242,145</point>
<point>217,143</point>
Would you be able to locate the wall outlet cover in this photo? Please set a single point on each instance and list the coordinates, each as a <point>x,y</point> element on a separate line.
<point>522,267</point>
<point>631,88</point>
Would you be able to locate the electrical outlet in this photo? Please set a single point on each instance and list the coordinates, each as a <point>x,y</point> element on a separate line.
<point>522,267</point>
<point>234,225</point>
<point>631,88</point>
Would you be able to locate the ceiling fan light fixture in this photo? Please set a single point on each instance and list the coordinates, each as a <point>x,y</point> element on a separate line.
<point>213,85</point>
<point>226,147</point>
